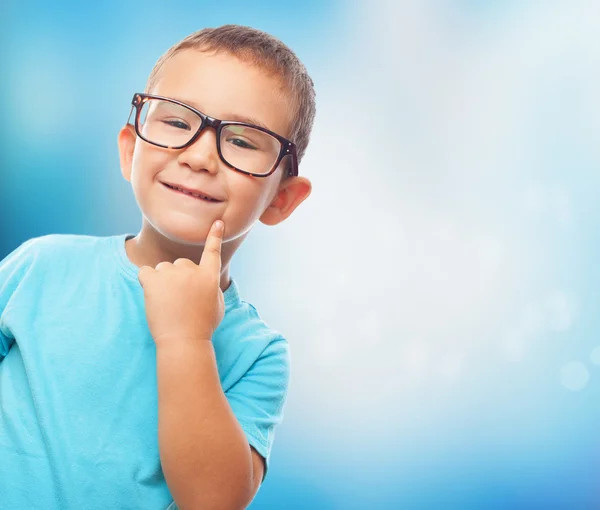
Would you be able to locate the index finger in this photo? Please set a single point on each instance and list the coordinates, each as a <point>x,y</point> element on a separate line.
<point>211,256</point>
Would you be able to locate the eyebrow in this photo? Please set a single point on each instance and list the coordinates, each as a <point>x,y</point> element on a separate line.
<point>247,120</point>
<point>229,116</point>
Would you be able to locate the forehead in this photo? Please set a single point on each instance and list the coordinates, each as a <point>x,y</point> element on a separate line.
<point>225,87</point>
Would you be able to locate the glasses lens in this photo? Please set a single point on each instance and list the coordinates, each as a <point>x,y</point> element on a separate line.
<point>249,149</point>
<point>166,123</point>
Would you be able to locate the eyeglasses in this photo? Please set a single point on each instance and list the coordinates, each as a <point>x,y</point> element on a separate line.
<point>249,149</point>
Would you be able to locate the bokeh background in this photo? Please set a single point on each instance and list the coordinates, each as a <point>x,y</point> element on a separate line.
<point>440,288</point>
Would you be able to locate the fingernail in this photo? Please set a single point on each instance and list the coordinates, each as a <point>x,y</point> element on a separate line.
<point>218,224</point>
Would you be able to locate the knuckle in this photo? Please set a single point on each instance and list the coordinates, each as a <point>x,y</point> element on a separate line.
<point>144,273</point>
<point>182,262</point>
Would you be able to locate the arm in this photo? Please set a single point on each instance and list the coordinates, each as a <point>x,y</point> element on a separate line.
<point>206,459</point>
<point>204,452</point>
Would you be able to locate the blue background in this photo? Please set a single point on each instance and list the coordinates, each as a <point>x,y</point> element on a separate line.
<point>440,287</point>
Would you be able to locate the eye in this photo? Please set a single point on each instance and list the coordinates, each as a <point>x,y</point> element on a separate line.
<point>242,144</point>
<point>177,123</point>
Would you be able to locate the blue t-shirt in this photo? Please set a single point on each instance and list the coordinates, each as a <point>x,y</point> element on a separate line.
<point>78,391</point>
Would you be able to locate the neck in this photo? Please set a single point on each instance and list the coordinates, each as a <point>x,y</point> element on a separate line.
<point>149,248</point>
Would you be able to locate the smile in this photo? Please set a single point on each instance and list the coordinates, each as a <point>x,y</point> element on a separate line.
<point>190,193</point>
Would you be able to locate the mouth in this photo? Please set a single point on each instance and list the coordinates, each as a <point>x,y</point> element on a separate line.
<point>191,193</point>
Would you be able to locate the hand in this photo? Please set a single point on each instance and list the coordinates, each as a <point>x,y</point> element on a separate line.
<point>184,301</point>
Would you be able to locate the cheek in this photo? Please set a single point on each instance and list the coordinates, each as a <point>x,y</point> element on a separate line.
<point>145,165</point>
<point>254,197</point>
<point>142,173</point>
<point>254,188</point>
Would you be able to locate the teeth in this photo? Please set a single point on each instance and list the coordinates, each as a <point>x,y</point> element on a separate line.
<point>193,194</point>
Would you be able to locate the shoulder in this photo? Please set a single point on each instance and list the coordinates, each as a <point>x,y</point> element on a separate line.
<point>252,330</point>
<point>25,255</point>
<point>60,242</point>
<point>27,267</point>
<point>244,341</point>
<point>63,247</point>
<point>60,252</point>
<point>51,242</point>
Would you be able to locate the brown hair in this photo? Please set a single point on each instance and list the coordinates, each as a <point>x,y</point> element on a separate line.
<point>264,50</point>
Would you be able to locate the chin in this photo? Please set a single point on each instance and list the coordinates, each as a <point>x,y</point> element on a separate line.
<point>183,229</point>
<point>182,233</point>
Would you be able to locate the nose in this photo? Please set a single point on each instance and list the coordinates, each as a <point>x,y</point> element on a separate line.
<point>202,155</point>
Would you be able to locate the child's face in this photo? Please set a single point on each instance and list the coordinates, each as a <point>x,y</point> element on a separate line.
<point>224,87</point>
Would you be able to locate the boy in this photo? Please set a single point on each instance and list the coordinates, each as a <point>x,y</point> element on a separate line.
<point>132,375</point>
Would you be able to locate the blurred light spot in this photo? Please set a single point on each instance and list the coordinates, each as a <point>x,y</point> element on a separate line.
<point>533,201</point>
<point>514,347</point>
<point>368,331</point>
<point>451,367</point>
<point>341,276</point>
<point>562,208</point>
<point>595,356</point>
<point>414,358</point>
<point>444,231</point>
<point>491,252</point>
<point>574,376</point>
<point>533,318</point>
<point>549,203</point>
<point>560,311</point>
<point>327,348</point>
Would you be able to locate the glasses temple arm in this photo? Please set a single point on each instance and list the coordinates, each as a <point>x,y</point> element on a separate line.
<point>130,112</point>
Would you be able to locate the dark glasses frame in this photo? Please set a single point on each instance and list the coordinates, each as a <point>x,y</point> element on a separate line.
<point>288,148</point>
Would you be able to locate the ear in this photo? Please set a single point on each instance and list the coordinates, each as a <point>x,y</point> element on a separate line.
<point>291,193</point>
<point>126,145</point>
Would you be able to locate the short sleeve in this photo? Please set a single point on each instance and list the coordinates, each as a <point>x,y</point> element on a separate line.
<point>12,269</point>
<point>258,398</point>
